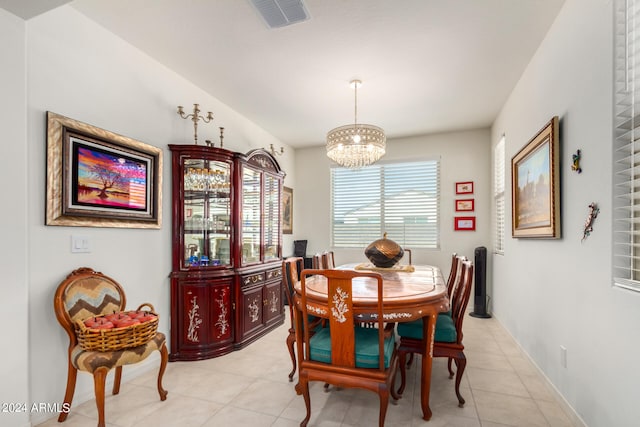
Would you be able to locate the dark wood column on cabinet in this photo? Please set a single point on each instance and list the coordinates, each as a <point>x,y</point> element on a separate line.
<point>226,284</point>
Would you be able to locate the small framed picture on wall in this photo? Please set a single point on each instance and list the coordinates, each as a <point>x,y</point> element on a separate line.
<point>464,223</point>
<point>464,187</point>
<point>465,205</point>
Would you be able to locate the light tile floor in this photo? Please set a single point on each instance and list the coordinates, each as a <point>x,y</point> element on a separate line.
<point>250,388</point>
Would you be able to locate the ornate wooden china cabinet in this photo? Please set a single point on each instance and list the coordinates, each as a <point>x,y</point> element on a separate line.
<point>226,284</point>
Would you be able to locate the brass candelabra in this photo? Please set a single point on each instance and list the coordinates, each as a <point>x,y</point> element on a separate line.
<point>195,118</point>
<point>274,152</point>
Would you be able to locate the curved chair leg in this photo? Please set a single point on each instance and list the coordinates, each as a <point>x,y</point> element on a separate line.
<point>164,357</point>
<point>392,382</point>
<point>384,404</point>
<point>303,388</point>
<point>410,360</point>
<point>117,379</point>
<point>402,361</point>
<point>99,379</point>
<point>291,340</point>
<point>449,361</point>
<point>461,363</point>
<point>68,394</point>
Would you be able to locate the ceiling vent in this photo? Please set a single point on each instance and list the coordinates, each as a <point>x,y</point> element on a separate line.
<point>280,13</point>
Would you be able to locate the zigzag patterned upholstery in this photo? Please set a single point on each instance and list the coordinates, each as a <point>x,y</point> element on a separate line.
<point>89,361</point>
<point>83,294</point>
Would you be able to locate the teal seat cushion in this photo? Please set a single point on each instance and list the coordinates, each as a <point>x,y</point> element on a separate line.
<point>445,329</point>
<point>366,347</point>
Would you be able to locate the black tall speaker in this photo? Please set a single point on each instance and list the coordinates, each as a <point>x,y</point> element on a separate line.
<point>480,293</point>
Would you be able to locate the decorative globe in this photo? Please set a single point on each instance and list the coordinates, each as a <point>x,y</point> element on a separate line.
<point>384,253</point>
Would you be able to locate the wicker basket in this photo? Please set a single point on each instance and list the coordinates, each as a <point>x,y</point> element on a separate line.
<point>117,338</point>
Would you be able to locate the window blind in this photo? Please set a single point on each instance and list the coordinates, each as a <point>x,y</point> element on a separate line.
<point>498,195</point>
<point>626,155</point>
<point>401,199</point>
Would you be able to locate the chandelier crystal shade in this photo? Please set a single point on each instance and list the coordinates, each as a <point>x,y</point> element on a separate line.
<point>356,145</point>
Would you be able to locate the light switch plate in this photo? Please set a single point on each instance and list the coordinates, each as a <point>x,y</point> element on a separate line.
<point>80,244</point>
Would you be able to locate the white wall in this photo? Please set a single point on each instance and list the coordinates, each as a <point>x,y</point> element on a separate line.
<point>77,69</point>
<point>13,250</point>
<point>465,156</point>
<point>552,293</point>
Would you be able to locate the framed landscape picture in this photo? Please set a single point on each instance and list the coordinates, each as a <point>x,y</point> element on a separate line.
<point>96,178</point>
<point>287,210</point>
<point>535,186</point>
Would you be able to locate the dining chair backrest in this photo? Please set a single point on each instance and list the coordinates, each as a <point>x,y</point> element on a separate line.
<point>461,296</point>
<point>328,260</point>
<point>452,274</point>
<point>316,261</point>
<point>291,268</point>
<point>342,323</point>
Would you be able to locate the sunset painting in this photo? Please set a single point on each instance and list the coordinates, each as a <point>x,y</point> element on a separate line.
<point>104,178</point>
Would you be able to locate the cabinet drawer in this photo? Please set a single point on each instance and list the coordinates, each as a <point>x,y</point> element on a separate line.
<point>253,279</point>
<point>275,273</point>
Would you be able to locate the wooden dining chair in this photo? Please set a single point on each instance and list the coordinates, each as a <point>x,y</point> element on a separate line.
<point>345,354</point>
<point>83,294</point>
<point>454,276</point>
<point>291,268</point>
<point>328,260</point>
<point>448,334</point>
<point>316,261</point>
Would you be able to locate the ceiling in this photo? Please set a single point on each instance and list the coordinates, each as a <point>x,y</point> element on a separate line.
<point>427,66</point>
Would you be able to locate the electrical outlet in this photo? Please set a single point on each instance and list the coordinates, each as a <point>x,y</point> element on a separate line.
<point>563,356</point>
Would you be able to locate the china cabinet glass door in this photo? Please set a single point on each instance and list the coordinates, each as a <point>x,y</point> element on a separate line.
<point>251,215</point>
<point>207,213</point>
<point>271,217</point>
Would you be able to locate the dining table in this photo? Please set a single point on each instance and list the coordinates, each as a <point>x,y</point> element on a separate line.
<point>410,292</point>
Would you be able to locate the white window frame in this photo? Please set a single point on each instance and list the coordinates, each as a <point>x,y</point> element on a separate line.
<point>498,195</point>
<point>626,146</point>
<point>424,233</point>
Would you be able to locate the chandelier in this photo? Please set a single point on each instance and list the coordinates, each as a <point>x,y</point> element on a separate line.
<point>356,145</point>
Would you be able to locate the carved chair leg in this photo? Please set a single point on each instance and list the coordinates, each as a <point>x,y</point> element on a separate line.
<point>402,362</point>
<point>384,404</point>
<point>461,363</point>
<point>68,394</point>
<point>291,340</point>
<point>391,385</point>
<point>164,357</point>
<point>99,379</point>
<point>117,379</point>
<point>410,362</point>
<point>304,390</point>
<point>449,360</point>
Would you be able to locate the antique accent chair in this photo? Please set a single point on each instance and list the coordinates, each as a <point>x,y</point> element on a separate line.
<point>85,293</point>
<point>448,334</point>
<point>345,354</point>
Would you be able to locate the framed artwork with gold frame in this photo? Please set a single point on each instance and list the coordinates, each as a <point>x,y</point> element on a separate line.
<point>287,210</point>
<point>535,186</point>
<point>96,178</point>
